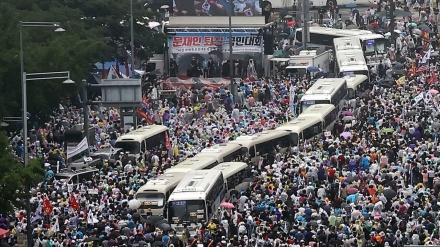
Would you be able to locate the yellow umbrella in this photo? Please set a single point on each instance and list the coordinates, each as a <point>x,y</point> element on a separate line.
<point>401,80</point>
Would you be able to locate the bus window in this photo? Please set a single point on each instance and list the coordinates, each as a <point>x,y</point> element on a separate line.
<point>129,146</point>
<point>155,141</point>
<point>312,131</point>
<point>143,146</point>
<point>351,93</point>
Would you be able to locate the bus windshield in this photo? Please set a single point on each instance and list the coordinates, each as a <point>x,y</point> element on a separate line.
<point>151,200</point>
<point>186,211</point>
<point>129,146</point>
<point>375,46</point>
<point>294,139</point>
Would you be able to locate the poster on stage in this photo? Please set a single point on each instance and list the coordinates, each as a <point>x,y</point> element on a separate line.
<point>207,54</point>
<point>216,8</point>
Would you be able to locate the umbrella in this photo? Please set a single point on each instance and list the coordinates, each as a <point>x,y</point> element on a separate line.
<point>398,66</point>
<point>155,218</point>
<point>284,35</point>
<point>287,17</point>
<point>380,14</point>
<point>348,118</point>
<point>216,52</point>
<point>424,26</point>
<point>227,205</point>
<point>164,227</point>
<point>350,179</point>
<point>389,193</point>
<point>398,72</point>
<point>164,6</point>
<point>90,239</point>
<point>321,74</point>
<point>160,222</point>
<point>4,233</point>
<point>410,113</point>
<point>198,86</point>
<point>433,91</point>
<point>346,135</point>
<point>153,24</point>
<point>351,27</point>
<point>387,130</point>
<point>402,13</point>
<point>312,69</point>
<point>351,190</point>
<point>350,5</point>
<point>348,113</point>
<point>412,24</point>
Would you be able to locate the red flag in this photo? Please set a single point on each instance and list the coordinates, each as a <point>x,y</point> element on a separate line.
<point>117,69</point>
<point>167,141</point>
<point>47,207</point>
<point>103,73</point>
<point>73,203</point>
<point>127,70</point>
<point>145,116</point>
<point>433,77</point>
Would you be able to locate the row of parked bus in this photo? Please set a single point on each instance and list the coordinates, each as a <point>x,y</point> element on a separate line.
<point>192,190</point>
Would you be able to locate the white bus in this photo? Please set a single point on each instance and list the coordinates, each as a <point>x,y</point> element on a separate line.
<point>323,36</point>
<point>155,193</point>
<point>356,84</point>
<point>197,162</point>
<point>374,47</point>
<point>327,113</point>
<point>196,199</point>
<point>302,128</point>
<point>346,43</point>
<point>142,139</point>
<point>255,146</point>
<point>222,152</point>
<point>234,174</point>
<point>325,91</point>
<point>350,62</point>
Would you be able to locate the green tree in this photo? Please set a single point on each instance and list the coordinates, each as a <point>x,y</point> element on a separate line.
<point>13,175</point>
<point>96,31</point>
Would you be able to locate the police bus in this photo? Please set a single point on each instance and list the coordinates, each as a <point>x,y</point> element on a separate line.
<point>196,199</point>
<point>254,146</point>
<point>327,113</point>
<point>222,152</point>
<point>198,162</point>
<point>325,91</point>
<point>234,174</point>
<point>142,139</point>
<point>302,128</point>
<point>350,62</point>
<point>356,84</point>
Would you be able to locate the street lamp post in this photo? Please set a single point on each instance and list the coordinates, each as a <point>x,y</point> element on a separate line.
<point>58,28</point>
<point>132,39</point>
<point>231,64</point>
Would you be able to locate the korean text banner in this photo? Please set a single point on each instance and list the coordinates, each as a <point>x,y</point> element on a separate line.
<point>216,8</point>
<point>207,43</point>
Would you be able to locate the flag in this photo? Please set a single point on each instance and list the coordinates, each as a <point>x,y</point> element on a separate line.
<point>112,74</point>
<point>418,98</point>
<point>433,78</point>
<point>73,203</point>
<point>425,39</point>
<point>117,69</point>
<point>145,116</point>
<point>47,207</point>
<point>113,150</point>
<point>426,57</point>
<point>401,80</point>
<point>428,97</point>
<point>422,68</point>
<point>127,69</point>
<point>103,73</point>
<point>167,141</point>
<point>72,151</point>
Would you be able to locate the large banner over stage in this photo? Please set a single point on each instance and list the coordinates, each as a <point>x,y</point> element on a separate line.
<point>204,43</point>
<point>207,54</point>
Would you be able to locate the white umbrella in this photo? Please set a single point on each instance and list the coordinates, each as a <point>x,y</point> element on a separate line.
<point>153,24</point>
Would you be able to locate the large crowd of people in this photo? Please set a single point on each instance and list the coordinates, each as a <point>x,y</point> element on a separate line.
<point>374,181</point>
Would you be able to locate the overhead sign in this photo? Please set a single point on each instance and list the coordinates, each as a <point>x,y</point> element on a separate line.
<point>216,8</point>
<point>207,43</point>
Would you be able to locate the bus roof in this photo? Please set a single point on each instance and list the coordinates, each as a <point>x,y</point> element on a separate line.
<point>230,168</point>
<point>320,110</point>
<point>364,37</point>
<point>347,43</point>
<point>350,58</point>
<point>337,32</point>
<point>299,124</point>
<point>195,163</point>
<point>197,181</point>
<point>162,183</point>
<point>250,140</point>
<point>142,133</point>
<point>325,86</point>
<point>219,150</point>
<point>354,80</point>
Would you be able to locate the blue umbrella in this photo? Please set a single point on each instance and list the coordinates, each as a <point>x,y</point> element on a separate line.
<point>312,69</point>
<point>351,5</point>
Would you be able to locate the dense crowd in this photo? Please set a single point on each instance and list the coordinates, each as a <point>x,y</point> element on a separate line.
<point>374,181</point>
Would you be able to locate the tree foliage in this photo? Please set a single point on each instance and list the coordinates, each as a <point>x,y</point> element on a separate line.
<point>13,177</point>
<point>96,31</point>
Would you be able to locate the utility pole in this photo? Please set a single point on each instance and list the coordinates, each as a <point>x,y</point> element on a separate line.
<point>392,17</point>
<point>132,39</point>
<point>306,18</point>
<point>231,63</point>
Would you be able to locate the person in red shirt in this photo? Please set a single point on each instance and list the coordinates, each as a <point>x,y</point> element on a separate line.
<point>331,174</point>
